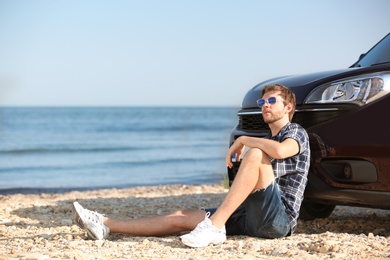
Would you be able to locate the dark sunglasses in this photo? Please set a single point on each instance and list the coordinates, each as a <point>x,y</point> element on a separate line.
<point>271,101</point>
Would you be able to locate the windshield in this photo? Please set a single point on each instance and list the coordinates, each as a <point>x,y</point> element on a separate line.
<point>379,54</point>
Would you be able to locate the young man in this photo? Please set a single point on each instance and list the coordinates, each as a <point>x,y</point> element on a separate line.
<point>264,198</point>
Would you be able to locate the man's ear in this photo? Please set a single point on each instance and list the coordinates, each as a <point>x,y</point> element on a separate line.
<point>289,108</point>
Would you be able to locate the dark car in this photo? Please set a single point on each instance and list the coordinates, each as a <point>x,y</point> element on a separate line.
<point>346,114</point>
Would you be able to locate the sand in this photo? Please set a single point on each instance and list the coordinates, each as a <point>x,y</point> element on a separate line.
<point>39,226</point>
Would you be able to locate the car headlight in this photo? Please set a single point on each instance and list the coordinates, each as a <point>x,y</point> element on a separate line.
<point>359,90</point>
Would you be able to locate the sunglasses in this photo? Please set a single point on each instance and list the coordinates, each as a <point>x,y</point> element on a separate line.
<point>270,101</point>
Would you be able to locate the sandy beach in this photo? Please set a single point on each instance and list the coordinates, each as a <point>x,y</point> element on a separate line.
<point>39,226</point>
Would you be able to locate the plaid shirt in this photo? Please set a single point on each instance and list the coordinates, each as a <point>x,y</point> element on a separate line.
<point>291,173</point>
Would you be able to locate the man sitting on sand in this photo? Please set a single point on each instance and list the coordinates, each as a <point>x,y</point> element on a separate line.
<point>264,198</point>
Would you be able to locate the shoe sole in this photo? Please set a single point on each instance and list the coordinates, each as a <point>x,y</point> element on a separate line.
<point>76,218</point>
<point>188,243</point>
<point>79,222</point>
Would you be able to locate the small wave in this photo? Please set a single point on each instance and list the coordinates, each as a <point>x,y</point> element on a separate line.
<point>108,165</point>
<point>97,149</point>
<point>70,149</point>
<point>151,162</point>
<point>162,129</point>
<point>45,168</point>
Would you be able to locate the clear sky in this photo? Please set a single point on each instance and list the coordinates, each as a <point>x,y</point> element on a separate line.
<point>173,53</point>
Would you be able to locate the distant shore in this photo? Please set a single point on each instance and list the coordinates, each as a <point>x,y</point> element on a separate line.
<point>39,226</point>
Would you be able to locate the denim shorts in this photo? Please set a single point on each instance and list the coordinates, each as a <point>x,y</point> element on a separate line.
<point>262,214</point>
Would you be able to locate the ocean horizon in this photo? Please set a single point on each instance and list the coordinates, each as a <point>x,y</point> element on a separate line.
<point>79,148</point>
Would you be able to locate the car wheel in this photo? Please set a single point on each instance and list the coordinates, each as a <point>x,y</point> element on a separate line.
<point>312,210</point>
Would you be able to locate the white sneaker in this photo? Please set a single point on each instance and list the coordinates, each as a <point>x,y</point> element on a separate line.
<point>90,221</point>
<point>204,234</point>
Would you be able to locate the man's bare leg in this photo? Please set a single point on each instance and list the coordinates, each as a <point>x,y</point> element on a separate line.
<point>179,221</point>
<point>255,172</point>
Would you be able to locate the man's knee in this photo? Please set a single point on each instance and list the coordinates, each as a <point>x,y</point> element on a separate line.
<point>256,154</point>
<point>188,214</point>
<point>179,213</point>
<point>186,219</point>
<point>260,160</point>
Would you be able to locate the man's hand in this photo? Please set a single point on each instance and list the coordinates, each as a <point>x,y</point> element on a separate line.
<point>236,149</point>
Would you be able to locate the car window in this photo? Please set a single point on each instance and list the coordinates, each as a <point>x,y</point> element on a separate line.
<point>379,54</point>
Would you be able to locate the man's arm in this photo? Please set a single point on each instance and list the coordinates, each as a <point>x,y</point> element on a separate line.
<point>274,149</point>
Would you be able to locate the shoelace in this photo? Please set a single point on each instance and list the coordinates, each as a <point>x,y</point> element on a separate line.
<point>93,216</point>
<point>201,226</point>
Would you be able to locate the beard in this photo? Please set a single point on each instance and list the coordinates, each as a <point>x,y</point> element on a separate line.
<point>272,118</point>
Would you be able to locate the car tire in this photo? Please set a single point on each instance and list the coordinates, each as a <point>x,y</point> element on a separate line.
<point>311,210</point>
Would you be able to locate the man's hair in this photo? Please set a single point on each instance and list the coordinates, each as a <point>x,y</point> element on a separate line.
<point>285,93</point>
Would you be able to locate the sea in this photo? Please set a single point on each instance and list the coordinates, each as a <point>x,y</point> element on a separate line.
<point>58,149</point>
